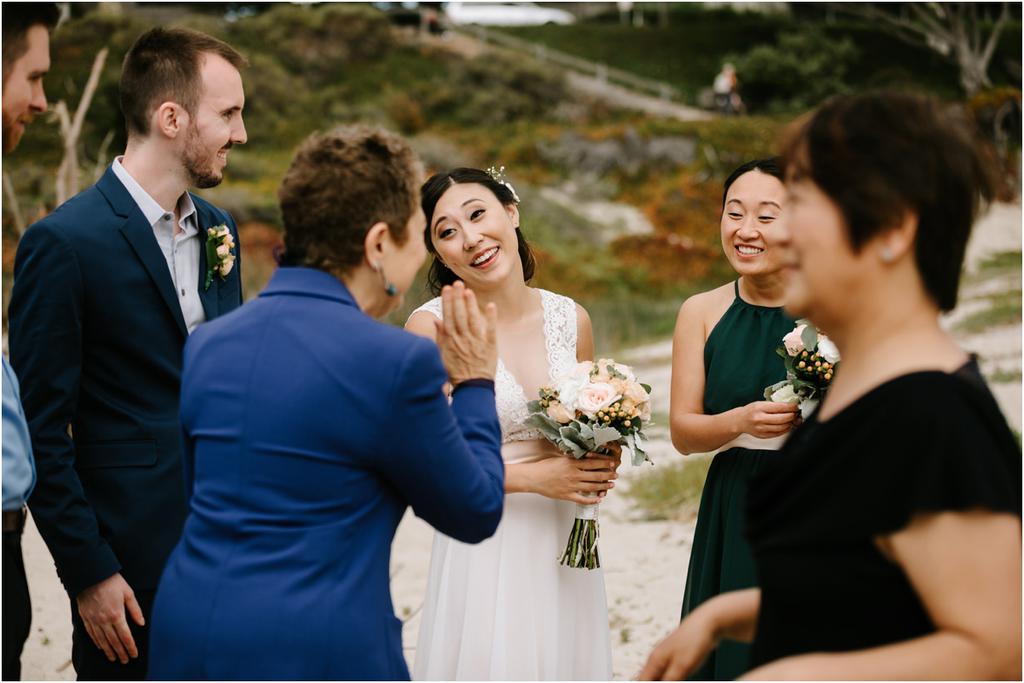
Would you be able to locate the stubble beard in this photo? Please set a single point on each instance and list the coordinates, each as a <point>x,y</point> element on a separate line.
<point>198,163</point>
<point>11,136</point>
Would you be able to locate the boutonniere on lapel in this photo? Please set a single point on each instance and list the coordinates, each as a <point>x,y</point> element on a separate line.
<point>220,258</point>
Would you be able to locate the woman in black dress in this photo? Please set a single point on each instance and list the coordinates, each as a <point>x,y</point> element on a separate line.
<point>887,533</point>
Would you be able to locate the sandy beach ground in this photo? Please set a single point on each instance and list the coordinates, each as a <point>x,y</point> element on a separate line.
<point>645,562</point>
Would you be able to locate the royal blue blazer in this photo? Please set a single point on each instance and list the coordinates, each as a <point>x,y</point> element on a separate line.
<point>309,428</point>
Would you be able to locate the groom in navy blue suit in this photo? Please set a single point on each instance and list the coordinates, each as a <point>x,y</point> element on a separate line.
<point>107,288</point>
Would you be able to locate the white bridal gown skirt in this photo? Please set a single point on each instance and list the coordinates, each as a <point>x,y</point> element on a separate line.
<point>505,609</point>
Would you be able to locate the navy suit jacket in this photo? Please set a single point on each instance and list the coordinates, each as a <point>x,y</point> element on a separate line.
<point>96,337</point>
<point>309,428</point>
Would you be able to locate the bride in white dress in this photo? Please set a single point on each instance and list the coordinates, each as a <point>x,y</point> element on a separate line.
<point>505,609</point>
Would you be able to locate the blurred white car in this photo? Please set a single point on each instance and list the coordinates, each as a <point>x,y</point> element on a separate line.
<point>505,14</point>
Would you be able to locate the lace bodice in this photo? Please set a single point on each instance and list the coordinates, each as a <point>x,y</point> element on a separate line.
<point>560,342</point>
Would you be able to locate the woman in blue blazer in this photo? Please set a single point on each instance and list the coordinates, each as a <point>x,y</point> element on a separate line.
<point>309,427</point>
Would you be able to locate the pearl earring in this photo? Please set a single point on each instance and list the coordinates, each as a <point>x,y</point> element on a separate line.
<point>885,253</point>
<point>389,288</point>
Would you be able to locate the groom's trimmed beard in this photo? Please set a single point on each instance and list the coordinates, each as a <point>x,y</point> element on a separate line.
<point>198,162</point>
<point>11,133</point>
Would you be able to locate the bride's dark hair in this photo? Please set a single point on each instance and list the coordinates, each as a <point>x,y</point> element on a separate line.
<point>440,275</point>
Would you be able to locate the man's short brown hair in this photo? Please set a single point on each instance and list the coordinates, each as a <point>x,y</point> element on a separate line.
<point>18,18</point>
<point>163,66</point>
<point>339,185</point>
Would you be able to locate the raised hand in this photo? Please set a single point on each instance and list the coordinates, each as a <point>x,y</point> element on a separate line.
<point>467,338</point>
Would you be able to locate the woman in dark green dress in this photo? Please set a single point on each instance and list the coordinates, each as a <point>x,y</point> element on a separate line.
<point>723,357</point>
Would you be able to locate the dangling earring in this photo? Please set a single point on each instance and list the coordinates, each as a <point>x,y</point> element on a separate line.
<point>885,253</point>
<point>389,288</point>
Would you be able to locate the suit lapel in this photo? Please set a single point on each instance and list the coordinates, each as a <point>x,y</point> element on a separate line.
<point>210,297</point>
<point>139,233</point>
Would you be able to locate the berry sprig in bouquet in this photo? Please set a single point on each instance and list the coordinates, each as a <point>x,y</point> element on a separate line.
<point>593,406</point>
<point>811,360</point>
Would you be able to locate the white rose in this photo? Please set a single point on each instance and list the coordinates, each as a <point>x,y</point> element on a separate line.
<point>827,349</point>
<point>595,397</point>
<point>807,406</point>
<point>786,394</point>
<point>569,387</point>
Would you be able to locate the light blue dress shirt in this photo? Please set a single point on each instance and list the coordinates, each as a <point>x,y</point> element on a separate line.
<point>19,468</point>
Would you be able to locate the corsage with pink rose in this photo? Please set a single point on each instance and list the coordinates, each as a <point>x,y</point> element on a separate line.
<point>595,405</point>
<point>811,361</point>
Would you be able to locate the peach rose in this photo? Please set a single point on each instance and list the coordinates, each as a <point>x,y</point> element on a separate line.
<point>595,397</point>
<point>793,342</point>
<point>602,370</point>
<point>636,393</point>
<point>559,413</point>
<point>223,250</point>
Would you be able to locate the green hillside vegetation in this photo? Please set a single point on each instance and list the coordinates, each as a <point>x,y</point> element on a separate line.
<point>314,67</point>
<point>690,51</point>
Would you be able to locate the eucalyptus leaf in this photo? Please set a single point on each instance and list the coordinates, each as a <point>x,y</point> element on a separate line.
<point>810,337</point>
<point>570,434</point>
<point>535,407</point>
<point>603,435</point>
<point>586,433</point>
<point>573,449</point>
<point>548,427</point>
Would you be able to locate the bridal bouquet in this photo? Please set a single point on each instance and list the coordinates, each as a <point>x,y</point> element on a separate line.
<point>594,405</point>
<point>811,360</point>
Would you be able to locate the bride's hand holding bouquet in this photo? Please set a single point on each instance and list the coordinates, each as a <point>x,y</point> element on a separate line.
<point>598,407</point>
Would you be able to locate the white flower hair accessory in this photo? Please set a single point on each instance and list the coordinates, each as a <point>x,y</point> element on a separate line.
<point>499,177</point>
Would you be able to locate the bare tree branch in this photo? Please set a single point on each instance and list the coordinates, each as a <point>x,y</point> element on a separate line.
<point>101,156</point>
<point>976,25</point>
<point>71,130</point>
<point>993,39</point>
<point>63,183</point>
<point>953,29</point>
<point>15,208</point>
<point>931,25</point>
<point>898,25</point>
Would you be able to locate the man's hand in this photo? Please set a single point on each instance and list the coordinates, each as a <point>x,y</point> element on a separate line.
<point>102,608</point>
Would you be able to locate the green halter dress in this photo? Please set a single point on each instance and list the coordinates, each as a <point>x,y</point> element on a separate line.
<point>739,362</point>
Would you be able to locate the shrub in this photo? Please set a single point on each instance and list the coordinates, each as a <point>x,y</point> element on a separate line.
<point>800,71</point>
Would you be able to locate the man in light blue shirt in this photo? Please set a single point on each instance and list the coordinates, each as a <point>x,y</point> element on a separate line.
<point>19,470</point>
<point>26,59</point>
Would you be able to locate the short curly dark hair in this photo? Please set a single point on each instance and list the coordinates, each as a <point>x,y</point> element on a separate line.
<point>881,154</point>
<point>339,184</point>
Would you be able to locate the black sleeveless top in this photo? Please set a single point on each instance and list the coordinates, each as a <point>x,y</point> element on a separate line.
<point>923,442</point>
